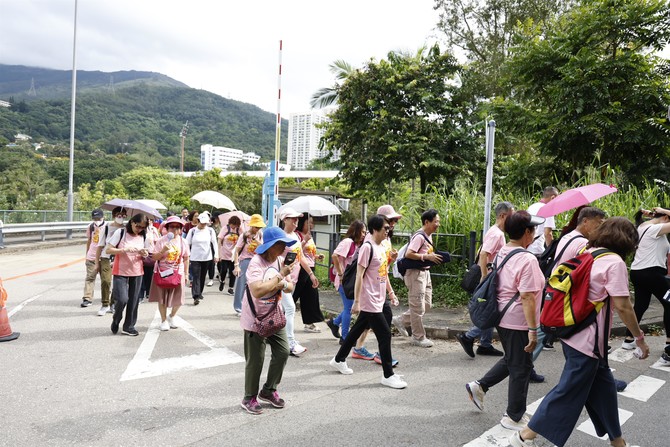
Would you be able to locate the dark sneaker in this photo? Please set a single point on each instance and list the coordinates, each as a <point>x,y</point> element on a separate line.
<point>334,329</point>
<point>466,343</point>
<point>489,350</point>
<point>251,406</point>
<point>548,346</point>
<point>535,377</point>
<point>115,327</point>
<point>272,398</point>
<point>130,332</point>
<point>85,303</point>
<point>196,301</point>
<point>230,290</point>
<point>220,287</point>
<point>620,385</point>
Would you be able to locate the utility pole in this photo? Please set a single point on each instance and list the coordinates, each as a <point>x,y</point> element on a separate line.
<point>182,135</point>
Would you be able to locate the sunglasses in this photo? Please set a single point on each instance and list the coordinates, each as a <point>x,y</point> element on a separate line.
<point>141,227</point>
<point>173,227</point>
<point>387,228</point>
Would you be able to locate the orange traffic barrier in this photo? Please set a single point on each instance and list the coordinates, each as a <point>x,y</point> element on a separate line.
<point>6,333</point>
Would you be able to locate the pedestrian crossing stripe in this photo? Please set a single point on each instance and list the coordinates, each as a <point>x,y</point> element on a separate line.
<point>141,366</point>
<point>588,428</point>
<point>661,366</point>
<point>621,355</point>
<point>642,388</point>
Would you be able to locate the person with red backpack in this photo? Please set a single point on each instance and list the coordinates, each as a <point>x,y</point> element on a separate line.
<point>587,380</point>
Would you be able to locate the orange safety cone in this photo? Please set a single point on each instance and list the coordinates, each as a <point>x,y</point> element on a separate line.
<point>6,333</point>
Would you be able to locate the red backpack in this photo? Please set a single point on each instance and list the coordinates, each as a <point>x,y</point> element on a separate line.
<point>566,309</point>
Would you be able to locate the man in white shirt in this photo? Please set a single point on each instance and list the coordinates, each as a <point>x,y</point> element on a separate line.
<point>543,232</point>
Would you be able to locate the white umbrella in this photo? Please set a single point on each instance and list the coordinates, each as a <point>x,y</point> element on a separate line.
<point>153,203</point>
<point>314,205</point>
<point>215,199</point>
<point>131,207</point>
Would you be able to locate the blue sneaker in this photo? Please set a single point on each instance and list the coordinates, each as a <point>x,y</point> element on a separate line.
<point>378,360</point>
<point>362,354</point>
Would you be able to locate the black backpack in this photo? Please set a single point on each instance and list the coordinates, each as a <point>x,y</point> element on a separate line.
<point>548,257</point>
<point>349,276</point>
<point>483,305</point>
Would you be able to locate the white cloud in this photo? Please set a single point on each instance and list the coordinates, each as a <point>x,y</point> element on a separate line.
<point>230,48</point>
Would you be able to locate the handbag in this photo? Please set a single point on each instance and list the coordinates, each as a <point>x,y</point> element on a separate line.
<point>473,275</point>
<point>268,324</point>
<point>169,278</point>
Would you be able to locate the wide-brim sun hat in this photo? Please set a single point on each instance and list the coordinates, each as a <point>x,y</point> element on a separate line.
<point>256,220</point>
<point>271,236</point>
<point>289,212</point>
<point>388,212</point>
<point>173,220</point>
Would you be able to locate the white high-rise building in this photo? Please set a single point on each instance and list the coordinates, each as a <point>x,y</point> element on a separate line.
<point>304,137</point>
<point>224,157</point>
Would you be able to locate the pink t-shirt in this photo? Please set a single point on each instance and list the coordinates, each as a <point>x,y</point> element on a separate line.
<point>174,258</point>
<point>128,264</point>
<point>258,270</point>
<point>419,245</point>
<point>342,250</point>
<point>609,276</point>
<point>494,240</point>
<point>309,250</point>
<point>373,288</point>
<point>248,245</point>
<point>94,236</point>
<point>573,248</point>
<point>228,239</point>
<point>521,273</point>
<point>297,249</point>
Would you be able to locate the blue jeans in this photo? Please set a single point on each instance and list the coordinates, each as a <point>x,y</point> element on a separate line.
<point>344,318</point>
<point>485,336</point>
<point>240,285</point>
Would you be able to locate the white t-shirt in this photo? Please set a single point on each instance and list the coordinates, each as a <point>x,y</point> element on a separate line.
<point>652,250</point>
<point>537,247</point>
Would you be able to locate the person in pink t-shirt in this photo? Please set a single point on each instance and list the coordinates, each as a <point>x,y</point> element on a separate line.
<point>369,298</point>
<point>228,237</point>
<point>520,281</point>
<point>587,379</point>
<point>342,257</point>
<point>305,292</point>
<point>93,234</point>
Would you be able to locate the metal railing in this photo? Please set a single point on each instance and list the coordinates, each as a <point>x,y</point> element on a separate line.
<point>44,227</point>
<point>29,216</point>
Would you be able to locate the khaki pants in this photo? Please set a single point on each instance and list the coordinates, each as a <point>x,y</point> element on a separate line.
<point>420,291</point>
<point>105,280</point>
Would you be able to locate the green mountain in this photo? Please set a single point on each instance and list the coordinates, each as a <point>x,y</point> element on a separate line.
<point>138,120</point>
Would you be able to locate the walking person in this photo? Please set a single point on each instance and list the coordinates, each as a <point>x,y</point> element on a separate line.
<point>170,253</point>
<point>92,238</point>
<point>152,236</point>
<point>343,256</point>
<point>305,291</point>
<point>543,235</point>
<point>369,298</point>
<point>586,380</point>
<point>129,246</point>
<point>103,262</point>
<point>228,238</point>
<point>650,266</point>
<point>242,254</point>
<point>267,277</point>
<point>204,249</point>
<point>520,281</point>
<point>418,282</point>
<point>494,240</point>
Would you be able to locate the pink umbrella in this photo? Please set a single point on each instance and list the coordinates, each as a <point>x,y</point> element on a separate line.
<point>225,217</point>
<point>573,198</point>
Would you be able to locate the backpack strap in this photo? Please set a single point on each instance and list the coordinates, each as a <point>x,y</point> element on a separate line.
<point>560,254</point>
<point>509,255</point>
<point>123,233</point>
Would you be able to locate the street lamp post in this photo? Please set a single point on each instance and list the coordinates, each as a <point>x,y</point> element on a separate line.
<point>70,192</point>
<point>182,135</point>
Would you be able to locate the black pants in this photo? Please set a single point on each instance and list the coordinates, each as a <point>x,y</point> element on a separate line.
<point>517,364</point>
<point>647,282</point>
<point>211,270</point>
<point>226,268</point>
<point>309,299</point>
<point>146,281</point>
<point>199,270</point>
<point>125,297</point>
<point>378,323</point>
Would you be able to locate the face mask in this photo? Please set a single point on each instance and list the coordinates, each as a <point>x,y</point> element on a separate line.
<point>118,220</point>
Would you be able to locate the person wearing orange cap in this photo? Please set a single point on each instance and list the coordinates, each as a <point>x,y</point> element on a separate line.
<point>242,254</point>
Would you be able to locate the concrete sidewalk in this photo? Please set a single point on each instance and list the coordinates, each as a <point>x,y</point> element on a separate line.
<point>445,323</point>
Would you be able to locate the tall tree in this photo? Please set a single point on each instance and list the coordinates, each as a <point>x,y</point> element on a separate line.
<point>327,96</point>
<point>397,120</point>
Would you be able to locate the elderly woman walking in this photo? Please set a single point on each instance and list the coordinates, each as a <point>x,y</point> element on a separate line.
<point>204,249</point>
<point>267,277</point>
<point>242,254</point>
<point>520,280</point>
<point>171,254</point>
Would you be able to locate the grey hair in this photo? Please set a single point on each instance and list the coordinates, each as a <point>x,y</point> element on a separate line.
<point>502,208</point>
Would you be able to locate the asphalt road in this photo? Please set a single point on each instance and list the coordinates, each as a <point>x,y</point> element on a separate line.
<point>68,381</point>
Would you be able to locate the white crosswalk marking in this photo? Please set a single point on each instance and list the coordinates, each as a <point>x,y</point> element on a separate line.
<point>661,366</point>
<point>498,436</point>
<point>642,388</point>
<point>621,355</point>
<point>588,428</point>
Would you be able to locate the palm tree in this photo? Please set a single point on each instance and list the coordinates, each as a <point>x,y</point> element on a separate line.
<point>327,96</point>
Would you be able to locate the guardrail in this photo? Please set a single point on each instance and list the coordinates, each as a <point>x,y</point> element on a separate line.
<point>44,227</point>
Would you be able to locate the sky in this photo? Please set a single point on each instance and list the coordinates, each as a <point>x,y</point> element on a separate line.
<point>229,47</point>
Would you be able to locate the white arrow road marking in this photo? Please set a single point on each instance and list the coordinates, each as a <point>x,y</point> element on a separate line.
<point>642,388</point>
<point>588,428</point>
<point>141,366</point>
<point>22,305</point>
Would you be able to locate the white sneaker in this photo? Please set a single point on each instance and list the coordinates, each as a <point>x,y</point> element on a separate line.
<point>515,441</point>
<point>210,283</point>
<point>424,342</point>
<point>103,310</point>
<point>511,424</point>
<point>397,322</point>
<point>297,348</point>
<point>341,367</point>
<point>171,322</point>
<point>628,345</point>
<point>312,328</point>
<point>476,394</point>
<point>394,382</point>
<point>165,326</point>
<point>664,360</point>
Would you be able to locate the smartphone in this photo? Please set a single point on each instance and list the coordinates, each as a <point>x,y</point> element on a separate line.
<point>290,258</point>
